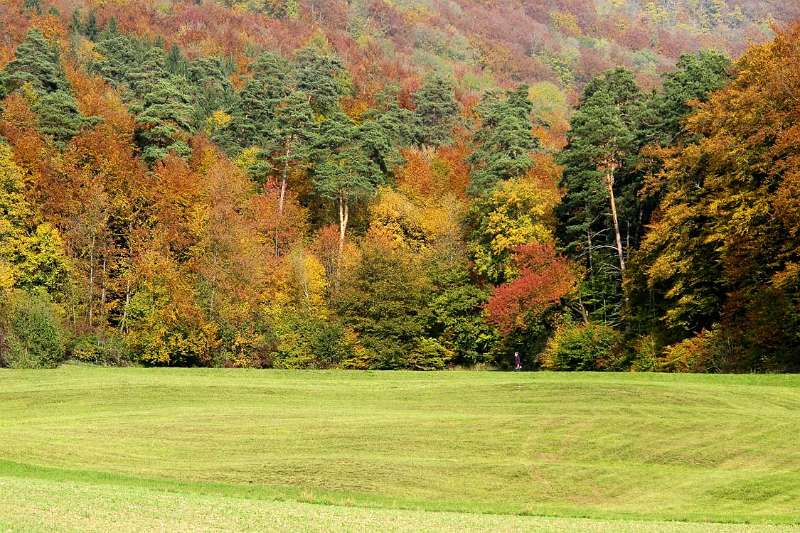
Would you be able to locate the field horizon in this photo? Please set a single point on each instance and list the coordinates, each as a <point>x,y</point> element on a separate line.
<point>497,450</point>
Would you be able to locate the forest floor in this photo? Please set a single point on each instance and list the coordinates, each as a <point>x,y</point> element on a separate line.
<point>99,449</point>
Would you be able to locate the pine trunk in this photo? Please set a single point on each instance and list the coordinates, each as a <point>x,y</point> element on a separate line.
<point>344,215</point>
<point>103,291</point>
<point>123,324</point>
<point>284,180</point>
<point>91,282</point>
<point>615,220</point>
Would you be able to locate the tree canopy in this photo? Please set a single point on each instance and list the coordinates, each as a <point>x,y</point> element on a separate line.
<point>331,184</point>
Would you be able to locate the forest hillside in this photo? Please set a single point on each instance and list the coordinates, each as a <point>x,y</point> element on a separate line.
<point>595,184</point>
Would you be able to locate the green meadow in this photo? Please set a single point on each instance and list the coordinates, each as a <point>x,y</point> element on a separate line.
<point>93,449</point>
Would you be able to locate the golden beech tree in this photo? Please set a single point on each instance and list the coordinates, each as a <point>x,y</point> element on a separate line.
<point>281,229</point>
<point>515,213</point>
<point>17,126</point>
<point>180,203</point>
<point>166,325</point>
<point>413,222</point>
<point>95,98</point>
<point>227,262</point>
<point>31,254</point>
<point>101,200</point>
<point>724,248</point>
<point>437,172</point>
<point>325,247</point>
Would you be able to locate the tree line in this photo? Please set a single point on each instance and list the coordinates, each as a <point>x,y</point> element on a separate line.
<point>164,210</point>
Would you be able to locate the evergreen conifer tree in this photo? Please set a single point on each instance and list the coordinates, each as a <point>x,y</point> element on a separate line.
<point>212,89</point>
<point>58,115</point>
<point>437,111</point>
<point>37,65</point>
<point>164,121</point>
<point>505,140</point>
<point>91,29</point>
<point>321,75</point>
<point>37,62</point>
<point>293,127</point>
<point>602,146</point>
<point>75,24</point>
<point>344,173</point>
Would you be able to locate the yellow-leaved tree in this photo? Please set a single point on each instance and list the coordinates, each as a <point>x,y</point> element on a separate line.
<point>31,254</point>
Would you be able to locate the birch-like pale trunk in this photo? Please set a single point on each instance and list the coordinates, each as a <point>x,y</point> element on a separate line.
<point>284,180</point>
<point>103,289</point>
<point>123,324</point>
<point>91,282</point>
<point>282,197</point>
<point>609,179</point>
<point>344,216</point>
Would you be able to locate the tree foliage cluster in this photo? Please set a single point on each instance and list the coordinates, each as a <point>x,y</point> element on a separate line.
<point>267,206</point>
<point>676,206</point>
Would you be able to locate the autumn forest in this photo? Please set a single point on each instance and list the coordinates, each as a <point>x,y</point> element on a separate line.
<point>397,184</point>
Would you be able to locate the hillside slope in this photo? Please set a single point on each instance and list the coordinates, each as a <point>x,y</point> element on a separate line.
<point>383,185</point>
<point>483,43</point>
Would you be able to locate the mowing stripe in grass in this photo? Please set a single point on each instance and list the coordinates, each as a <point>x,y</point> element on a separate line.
<point>633,446</point>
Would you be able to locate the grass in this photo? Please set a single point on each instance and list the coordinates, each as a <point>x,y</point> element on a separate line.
<point>87,448</point>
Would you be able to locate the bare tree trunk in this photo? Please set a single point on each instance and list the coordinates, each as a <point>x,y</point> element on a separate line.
<point>610,184</point>
<point>591,250</point>
<point>91,281</point>
<point>282,199</point>
<point>123,324</point>
<point>344,215</point>
<point>582,309</point>
<point>627,236</point>
<point>284,180</point>
<point>103,291</point>
<point>212,298</point>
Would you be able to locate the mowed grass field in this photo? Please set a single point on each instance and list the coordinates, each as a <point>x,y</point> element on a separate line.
<point>136,449</point>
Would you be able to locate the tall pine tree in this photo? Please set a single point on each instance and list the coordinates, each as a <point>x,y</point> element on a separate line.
<point>344,173</point>
<point>436,110</point>
<point>37,66</point>
<point>505,140</point>
<point>322,76</point>
<point>597,162</point>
